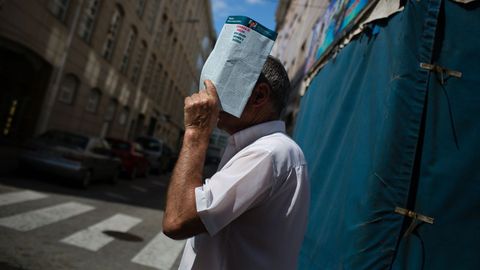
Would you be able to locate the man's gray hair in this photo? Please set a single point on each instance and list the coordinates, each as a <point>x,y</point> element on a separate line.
<point>275,75</point>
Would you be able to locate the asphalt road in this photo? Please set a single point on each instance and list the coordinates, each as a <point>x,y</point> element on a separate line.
<point>47,223</point>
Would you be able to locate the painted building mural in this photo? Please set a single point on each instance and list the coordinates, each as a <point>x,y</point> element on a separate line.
<point>329,27</point>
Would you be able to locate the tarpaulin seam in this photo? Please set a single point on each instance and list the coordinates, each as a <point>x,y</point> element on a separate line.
<point>425,53</point>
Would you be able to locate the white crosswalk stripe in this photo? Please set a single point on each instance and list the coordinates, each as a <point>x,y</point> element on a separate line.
<point>34,219</point>
<point>20,196</point>
<point>160,253</point>
<point>93,237</point>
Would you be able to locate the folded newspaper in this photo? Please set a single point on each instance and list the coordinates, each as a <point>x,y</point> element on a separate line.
<point>235,63</point>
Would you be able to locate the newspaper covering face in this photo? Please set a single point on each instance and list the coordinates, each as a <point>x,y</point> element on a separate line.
<point>236,61</point>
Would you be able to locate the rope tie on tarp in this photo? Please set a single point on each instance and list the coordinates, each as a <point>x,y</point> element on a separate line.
<point>443,72</point>
<point>416,219</point>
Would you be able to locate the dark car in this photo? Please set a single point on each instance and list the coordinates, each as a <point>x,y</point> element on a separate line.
<point>131,154</point>
<point>154,150</point>
<point>71,156</point>
<point>169,158</point>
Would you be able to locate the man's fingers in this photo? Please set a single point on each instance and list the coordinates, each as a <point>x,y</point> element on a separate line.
<point>188,101</point>
<point>203,92</point>
<point>195,98</point>
<point>212,92</point>
<point>201,109</point>
<point>204,98</point>
<point>210,88</point>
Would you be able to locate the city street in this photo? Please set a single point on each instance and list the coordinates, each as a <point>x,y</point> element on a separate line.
<point>46,223</point>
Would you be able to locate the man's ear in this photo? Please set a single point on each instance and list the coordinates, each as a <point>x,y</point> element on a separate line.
<point>260,95</point>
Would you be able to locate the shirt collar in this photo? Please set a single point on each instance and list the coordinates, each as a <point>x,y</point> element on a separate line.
<point>247,136</point>
<point>242,138</point>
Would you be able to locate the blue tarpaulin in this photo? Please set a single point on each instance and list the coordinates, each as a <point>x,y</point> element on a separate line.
<point>393,122</point>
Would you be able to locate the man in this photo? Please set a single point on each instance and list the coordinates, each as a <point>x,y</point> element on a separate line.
<point>252,213</point>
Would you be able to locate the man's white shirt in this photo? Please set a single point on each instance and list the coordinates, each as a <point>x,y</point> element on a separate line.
<point>255,207</point>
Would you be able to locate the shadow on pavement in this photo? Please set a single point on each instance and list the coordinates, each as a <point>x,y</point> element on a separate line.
<point>124,236</point>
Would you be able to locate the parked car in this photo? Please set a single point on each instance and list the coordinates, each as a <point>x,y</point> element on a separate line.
<point>132,156</point>
<point>154,149</point>
<point>71,156</point>
<point>169,158</point>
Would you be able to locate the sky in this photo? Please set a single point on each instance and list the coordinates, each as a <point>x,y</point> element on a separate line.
<point>262,11</point>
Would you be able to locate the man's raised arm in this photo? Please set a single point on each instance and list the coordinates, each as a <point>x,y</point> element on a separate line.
<point>201,114</point>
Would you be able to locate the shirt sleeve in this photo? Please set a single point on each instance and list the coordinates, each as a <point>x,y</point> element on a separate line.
<point>233,190</point>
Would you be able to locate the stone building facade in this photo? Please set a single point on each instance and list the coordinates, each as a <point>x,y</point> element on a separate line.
<point>118,68</point>
<point>295,20</point>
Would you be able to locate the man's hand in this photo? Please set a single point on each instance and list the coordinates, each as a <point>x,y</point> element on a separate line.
<point>201,110</point>
<point>181,219</point>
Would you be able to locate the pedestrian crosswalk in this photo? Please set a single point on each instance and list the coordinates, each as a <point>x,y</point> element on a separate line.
<point>160,252</point>
<point>38,218</point>
<point>93,237</point>
<point>20,196</point>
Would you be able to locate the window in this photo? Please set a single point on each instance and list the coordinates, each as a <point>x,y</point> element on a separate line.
<point>171,50</point>
<point>132,36</point>
<point>122,119</point>
<point>112,34</point>
<point>99,146</point>
<point>159,37</point>
<point>152,15</point>
<point>68,88</point>
<point>93,100</point>
<point>65,139</point>
<point>88,19</point>
<point>148,74</point>
<point>140,7</point>
<point>112,107</point>
<point>59,8</point>
<point>138,64</point>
